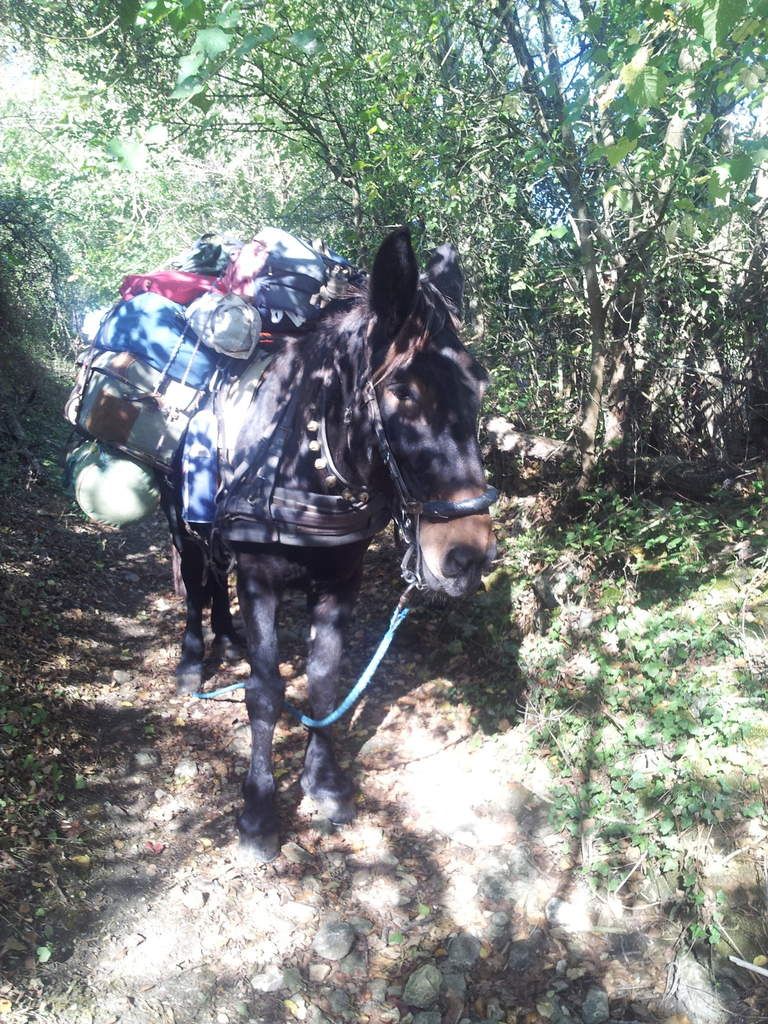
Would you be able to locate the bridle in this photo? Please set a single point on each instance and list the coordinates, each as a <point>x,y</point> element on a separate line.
<point>409,513</point>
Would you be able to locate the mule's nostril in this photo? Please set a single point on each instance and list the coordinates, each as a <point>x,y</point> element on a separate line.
<point>462,559</point>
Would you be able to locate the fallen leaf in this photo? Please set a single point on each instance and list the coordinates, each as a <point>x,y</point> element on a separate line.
<point>153,846</point>
<point>294,1009</point>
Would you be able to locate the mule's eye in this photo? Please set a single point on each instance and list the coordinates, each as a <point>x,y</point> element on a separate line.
<point>408,404</point>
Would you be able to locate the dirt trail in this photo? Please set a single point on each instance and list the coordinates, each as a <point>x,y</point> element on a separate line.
<point>450,898</point>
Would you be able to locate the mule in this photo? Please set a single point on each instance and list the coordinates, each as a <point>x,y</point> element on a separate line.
<point>371,416</point>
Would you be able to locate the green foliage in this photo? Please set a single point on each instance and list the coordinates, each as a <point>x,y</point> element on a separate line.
<point>34,296</point>
<point>643,689</point>
<point>645,538</point>
<point>214,115</point>
<point>115,203</point>
<point>651,720</point>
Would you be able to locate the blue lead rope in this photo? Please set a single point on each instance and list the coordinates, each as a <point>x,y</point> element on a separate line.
<point>399,614</point>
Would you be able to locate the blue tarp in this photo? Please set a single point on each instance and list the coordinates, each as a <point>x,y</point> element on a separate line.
<point>154,328</point>
<point>200,468</point>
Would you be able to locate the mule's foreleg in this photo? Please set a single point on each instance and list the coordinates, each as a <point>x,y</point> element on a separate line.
<point>264,695</point>
<point>322,779</point>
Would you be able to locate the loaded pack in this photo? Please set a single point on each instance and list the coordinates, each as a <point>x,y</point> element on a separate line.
<point>177,340</point>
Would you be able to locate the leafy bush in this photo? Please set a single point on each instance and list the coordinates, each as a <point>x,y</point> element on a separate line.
<point>33,271</point>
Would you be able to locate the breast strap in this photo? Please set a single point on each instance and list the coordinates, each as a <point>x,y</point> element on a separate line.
<point>255,510</point>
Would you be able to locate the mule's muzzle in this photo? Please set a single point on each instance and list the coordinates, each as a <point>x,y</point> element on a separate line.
<point>463,566</point>
<point>465,560</point>
<point>454,565</point>
<point>457,542</point>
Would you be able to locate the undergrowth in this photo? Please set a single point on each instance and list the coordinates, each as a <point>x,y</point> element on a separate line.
<point>640,671</point>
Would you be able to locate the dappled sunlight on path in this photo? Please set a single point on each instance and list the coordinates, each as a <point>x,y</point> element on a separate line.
<point>451,898</point>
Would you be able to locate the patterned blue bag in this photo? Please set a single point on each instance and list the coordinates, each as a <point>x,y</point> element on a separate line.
<point>155,329</point>
<point>200,468</point>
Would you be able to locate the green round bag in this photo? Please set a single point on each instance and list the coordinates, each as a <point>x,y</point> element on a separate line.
<point>111,488</point>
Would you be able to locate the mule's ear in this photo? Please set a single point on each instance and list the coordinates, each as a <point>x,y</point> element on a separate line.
<point>394,280</point>
<point>444,271</point>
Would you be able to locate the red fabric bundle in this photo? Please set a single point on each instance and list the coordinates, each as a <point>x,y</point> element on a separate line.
<point>180,286</point>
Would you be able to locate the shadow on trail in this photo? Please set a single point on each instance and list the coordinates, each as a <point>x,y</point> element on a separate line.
<point>140,896</point>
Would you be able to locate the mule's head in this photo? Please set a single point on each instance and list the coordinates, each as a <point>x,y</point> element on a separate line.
<point>429,390</point>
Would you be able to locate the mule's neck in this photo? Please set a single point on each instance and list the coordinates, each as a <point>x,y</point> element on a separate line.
<point>333,449</point>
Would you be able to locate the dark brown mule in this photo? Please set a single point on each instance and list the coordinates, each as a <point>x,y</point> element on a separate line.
<point>371,416</point>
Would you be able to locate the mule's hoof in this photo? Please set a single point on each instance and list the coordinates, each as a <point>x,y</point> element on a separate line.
<point>189,679</point>
<point>231,648</point>
<point>339,810</point>
<point>257,847</point>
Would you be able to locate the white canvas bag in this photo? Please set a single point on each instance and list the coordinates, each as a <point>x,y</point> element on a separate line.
<point>225,323</point>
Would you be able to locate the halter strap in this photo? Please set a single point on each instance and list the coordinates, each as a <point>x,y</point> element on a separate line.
<point>410,513</point>
<point>438,509</point>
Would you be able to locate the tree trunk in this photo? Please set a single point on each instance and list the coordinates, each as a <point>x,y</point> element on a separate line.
<point>550,112</point>
<point>628,310</point>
